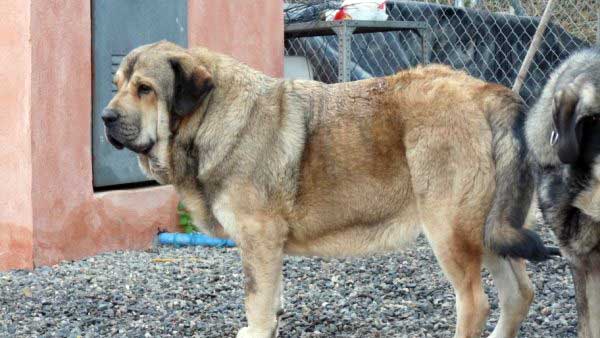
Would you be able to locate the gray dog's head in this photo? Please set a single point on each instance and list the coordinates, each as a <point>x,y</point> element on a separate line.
<point>562,126</point>
<point>576,115</point>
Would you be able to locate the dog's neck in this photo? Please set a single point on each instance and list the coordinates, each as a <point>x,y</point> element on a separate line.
<point>210,134</point>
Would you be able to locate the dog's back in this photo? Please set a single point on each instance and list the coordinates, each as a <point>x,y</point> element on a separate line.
<point>428,149</point>
<point>389,139</point>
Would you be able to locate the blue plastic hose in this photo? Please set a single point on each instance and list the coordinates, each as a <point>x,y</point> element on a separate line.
<point>178,239</point>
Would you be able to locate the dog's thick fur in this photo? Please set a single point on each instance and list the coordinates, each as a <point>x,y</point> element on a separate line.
<point>304,168</point>
<point>568,173</point>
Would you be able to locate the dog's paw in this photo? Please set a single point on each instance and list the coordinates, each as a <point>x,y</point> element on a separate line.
<point>248,332</point>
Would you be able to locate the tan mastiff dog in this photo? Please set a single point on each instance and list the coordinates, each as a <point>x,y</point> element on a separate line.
<point>305,168</point>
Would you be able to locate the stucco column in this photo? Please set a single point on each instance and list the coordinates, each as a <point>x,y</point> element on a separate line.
<point>16,220</point>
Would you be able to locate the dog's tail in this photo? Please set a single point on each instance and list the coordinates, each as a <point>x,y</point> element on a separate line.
<point>505,232</point>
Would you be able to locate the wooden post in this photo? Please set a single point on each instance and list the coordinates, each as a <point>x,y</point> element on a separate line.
<point>535,45</point>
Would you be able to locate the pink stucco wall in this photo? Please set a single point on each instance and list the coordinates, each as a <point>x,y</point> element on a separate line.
<point>252,31</point>
<point>16,220</point>
<point>48,209</point>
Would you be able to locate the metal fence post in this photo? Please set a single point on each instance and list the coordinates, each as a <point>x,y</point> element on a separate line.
<point>344,34</point>
<point>425,35</point>
<point>518,7</point>
<point>598,29</point>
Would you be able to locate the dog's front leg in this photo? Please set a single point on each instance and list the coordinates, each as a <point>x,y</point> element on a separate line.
<point>262,258</point>
<point>586,277</point>
<point>593,294</point>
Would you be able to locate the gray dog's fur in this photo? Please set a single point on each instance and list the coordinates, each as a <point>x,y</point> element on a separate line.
<point>563,133</point>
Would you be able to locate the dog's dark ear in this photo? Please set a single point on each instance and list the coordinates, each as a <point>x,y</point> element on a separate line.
<point>567,124</point>
<point>192,83</point>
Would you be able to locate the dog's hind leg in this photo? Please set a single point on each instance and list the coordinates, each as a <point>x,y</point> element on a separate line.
<point>451,188</point>
<point>515,293</point>
<point>461,262</point>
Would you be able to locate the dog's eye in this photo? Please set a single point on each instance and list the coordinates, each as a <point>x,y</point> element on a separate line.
<point>144,89</point>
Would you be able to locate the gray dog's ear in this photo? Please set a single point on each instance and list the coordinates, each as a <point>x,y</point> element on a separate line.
<point>192,83</point>
<point>566,120</point>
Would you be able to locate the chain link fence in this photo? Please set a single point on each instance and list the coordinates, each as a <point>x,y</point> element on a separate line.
<point>487,38</point>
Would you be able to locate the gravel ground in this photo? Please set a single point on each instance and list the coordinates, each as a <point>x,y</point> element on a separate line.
<point>195,291</point>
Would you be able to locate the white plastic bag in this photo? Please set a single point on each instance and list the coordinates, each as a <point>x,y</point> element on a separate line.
<point>359,10</point>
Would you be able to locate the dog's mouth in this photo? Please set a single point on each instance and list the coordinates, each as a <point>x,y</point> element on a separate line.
<point>114,142</point>
<point>589,118</point>
<point>143,149</point>
<point>590,138</point>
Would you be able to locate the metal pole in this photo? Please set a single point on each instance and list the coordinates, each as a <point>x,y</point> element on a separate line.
<point>425,35</point>
<point>344,34</point>
<point>518,7</point>
<point>598,30</point>
<point>533,48</point>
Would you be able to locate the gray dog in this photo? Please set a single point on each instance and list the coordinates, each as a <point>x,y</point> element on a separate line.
<point>563,133</point>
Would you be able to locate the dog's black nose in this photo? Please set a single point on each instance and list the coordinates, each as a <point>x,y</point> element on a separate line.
<point>109,115</point>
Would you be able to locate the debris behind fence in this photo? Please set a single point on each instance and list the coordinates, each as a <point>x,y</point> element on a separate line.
<point>488,41</point>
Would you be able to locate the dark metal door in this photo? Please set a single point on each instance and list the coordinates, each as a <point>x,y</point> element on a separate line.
<point>118,27</point>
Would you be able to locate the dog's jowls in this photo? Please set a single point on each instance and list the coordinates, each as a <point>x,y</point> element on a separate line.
<point>563,132</point>
<point>305,168</point>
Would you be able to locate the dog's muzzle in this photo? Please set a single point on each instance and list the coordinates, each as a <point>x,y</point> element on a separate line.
<point>110,118</point>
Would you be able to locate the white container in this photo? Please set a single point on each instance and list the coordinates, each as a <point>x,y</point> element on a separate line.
<point>359,10</point>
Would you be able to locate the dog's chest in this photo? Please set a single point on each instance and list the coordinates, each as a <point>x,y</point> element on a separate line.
<point>223,210</point>
<point>588,200</point>
<point>569,204</point>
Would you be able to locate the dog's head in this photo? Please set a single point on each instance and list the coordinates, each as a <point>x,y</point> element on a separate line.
<point>576,118</point>
<point>157,86</point>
